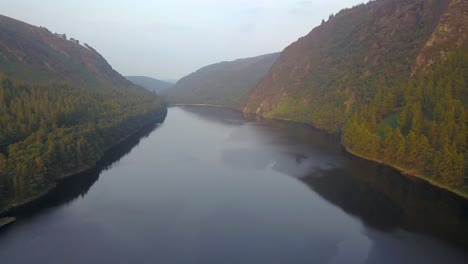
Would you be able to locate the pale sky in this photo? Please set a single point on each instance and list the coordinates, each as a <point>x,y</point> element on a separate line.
<point>170,39</point>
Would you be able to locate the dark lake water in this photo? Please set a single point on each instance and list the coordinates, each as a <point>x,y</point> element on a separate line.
<point>209,186</point>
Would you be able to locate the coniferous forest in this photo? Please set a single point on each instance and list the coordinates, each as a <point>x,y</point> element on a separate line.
<point>390,77</point>
<point>350,145</point>
<point>420,126</point>
<point>50,130</point>
<point>61,107</point>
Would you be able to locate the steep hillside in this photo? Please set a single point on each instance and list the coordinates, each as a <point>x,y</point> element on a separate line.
<point>149,83</point>
<point>61,107</point>
<point>34,53</point>
<point>387,73</point>
<point>225,83</point>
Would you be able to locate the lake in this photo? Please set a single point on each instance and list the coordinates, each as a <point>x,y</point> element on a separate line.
<point>212,186</point>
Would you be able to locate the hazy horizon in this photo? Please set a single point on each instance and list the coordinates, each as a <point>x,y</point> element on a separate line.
<point>168,40</point>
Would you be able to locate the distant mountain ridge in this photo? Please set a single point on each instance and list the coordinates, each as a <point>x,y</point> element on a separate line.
<point>149,83</point>
<point>226,83</point>
<point>173,81</point>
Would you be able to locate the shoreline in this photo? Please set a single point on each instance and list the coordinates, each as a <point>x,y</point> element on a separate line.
<point>407,173</point>
<point>210,105</point>
<point>4,221</point>
<point>11,208</point>
<point>6,212</point>
<point>402,171</point>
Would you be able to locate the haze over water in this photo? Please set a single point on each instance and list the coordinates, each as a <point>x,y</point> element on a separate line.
<point>209,186</point>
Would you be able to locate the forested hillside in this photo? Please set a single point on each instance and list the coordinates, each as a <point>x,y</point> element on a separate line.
<point>419,127</point>
<point>226,83</point>
<point>391,76</point>
<point>149,83</point>
<point>61,107</point>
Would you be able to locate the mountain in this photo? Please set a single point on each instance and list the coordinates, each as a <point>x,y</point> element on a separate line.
<point>172,81</point>
<point>226,83</point>
<point>150,83</point>
<point>390,76</point>
<point>61,107</point>
<point>35,54</point>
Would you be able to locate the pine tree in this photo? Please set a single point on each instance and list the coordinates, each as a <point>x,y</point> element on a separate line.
<point>398,147</point>
<point>387,148</point>
<point>425,153</point>
<point>411,148</point>
<point>3,165</point>
<point>416,118</point>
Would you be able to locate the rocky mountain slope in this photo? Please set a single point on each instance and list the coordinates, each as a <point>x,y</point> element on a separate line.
<point>338,60</point>
<point>390,75</point>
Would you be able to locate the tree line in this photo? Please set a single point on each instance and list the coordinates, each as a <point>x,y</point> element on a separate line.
<point>420,126</point>
<point>51,129</point>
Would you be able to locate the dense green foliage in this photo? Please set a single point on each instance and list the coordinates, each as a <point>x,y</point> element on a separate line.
<point>50,130</point>
<point>391,76</point>
<point>338,64</point>
<point>420,127</point>
<point>64,108</point>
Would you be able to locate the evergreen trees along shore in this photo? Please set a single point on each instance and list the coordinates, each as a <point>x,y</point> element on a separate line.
<point>420,126</point>
<point>61,107</point>
<point>390,76</point>
<point>54,129</point>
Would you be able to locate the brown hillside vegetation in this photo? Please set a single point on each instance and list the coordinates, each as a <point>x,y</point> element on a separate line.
<point>390,75</point>
<point>34,53</point>
<point>61,107</point>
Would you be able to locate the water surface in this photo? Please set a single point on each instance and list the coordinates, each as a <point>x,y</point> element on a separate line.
<point>209,186</point>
